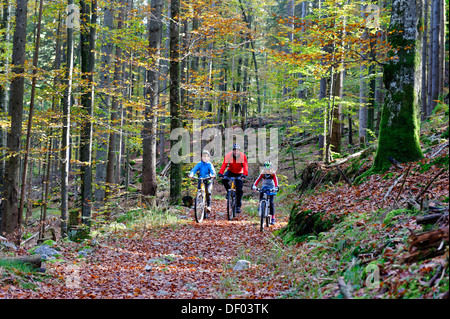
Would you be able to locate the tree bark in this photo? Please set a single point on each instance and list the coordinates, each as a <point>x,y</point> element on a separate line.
<point>362,108</point>
<point>337,90</point>
<point>424,62</point>
<point>10,216</point>
<point>30,112</point>
<point>65,138</point>
<point>35,260</point>
<point>400,127</point>
<point>174,100</point>
<point>4,25</point>
<point>87,38</point>
<point>112,163</point>
<point>105,61</point>
<point>149,180</point>
<point>435,44</point>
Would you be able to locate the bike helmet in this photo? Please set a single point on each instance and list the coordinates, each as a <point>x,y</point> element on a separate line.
<point>236,146</point>
<point>205,152</point>
<point>268,165</point>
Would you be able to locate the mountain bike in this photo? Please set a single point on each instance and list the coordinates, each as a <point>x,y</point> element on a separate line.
<point>231,197</point>
<point>264,206</point>
<point>200,200</point>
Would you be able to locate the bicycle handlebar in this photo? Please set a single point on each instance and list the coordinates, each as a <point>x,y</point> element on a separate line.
<point>230,178</point>
<point>271,190</point>
<point>204,178</point>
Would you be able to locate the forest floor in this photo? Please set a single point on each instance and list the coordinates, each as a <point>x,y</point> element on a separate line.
<point>181,260</point>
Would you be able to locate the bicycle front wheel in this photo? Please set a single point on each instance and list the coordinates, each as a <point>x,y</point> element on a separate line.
<point>231,203</point>
<point>262,207</point>
<point>199,208</point>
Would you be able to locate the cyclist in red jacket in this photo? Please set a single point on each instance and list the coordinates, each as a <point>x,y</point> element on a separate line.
<point>237,167</point>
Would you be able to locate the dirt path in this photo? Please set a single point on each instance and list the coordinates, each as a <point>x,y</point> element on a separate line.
<point>186,260</point>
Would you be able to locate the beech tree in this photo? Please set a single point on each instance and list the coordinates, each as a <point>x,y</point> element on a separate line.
<point>65,138</point>
<point>175,121</point>
<point>10,217</point>
<point>400,126</point>
<point>88,15</point>
<point>149,182</point>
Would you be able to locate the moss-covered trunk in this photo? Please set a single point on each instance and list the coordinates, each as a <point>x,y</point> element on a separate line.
<point>400,126</point>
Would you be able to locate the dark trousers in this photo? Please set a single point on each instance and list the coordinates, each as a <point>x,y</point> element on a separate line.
<point>272,207</point>
<point>238,183</point>
<point>208,191</point>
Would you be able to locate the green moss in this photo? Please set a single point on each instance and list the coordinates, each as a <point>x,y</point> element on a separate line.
<point>400,132</point>
<point>305,223</point>
<point>389,216</point>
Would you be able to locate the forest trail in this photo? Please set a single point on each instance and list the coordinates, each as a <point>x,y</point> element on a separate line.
<point>185,260</point>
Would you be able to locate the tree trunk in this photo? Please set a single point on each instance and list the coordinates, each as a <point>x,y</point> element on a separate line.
<point>322,96</point>
<point>4,25</point>
<point>435,75</point>
<point>87,44</point>
<point>442,47</point>
<point>362,108</point>
<point>336,135</point>
<point>30,112</point>
<point>174,100</point>
<point>105,61</point>
<point>112,163</point>
<point>424,62</point>
<point>10,217</point>
<point>65,139</point>
<point>149,180</point>
<point>400,127</point>
<point>35,260</point>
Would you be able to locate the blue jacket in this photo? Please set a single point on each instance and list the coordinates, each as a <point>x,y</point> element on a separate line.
<point>205,169</point>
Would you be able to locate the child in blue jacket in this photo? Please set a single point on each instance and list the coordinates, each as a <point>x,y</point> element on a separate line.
<point>205,169</point>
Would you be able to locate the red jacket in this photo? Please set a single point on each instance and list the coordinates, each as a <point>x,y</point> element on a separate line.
<point>269,180</point>
<point>238,165</point>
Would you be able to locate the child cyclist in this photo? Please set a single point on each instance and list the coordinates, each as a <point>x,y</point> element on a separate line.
<point>269,181</point>
<point>205,169</point>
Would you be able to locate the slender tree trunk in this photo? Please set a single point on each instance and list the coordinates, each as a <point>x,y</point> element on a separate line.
<point>112,163</point>
<point>105,61</point>
<point>65,139</point>
<point>30,114</point>
<point>4,25</point>
<point>442,46</point>
<point>337,90</point>
<point>322,96</point>
<point>149,180</point>
<point>400,127</point>
<point>10,217</point>
<point>362,108</point>
<point>87,38</point>
<point>435,77</point>
<point>175,121</point>
<point>424,62</point>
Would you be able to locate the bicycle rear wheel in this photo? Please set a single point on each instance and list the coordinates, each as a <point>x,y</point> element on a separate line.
<point>199,208</point>
<point>262,207</point>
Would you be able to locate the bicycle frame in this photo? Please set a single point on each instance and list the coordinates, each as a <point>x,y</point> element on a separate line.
<point>231,202</point>
<point>199,205</point>
<point>264,206</point>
